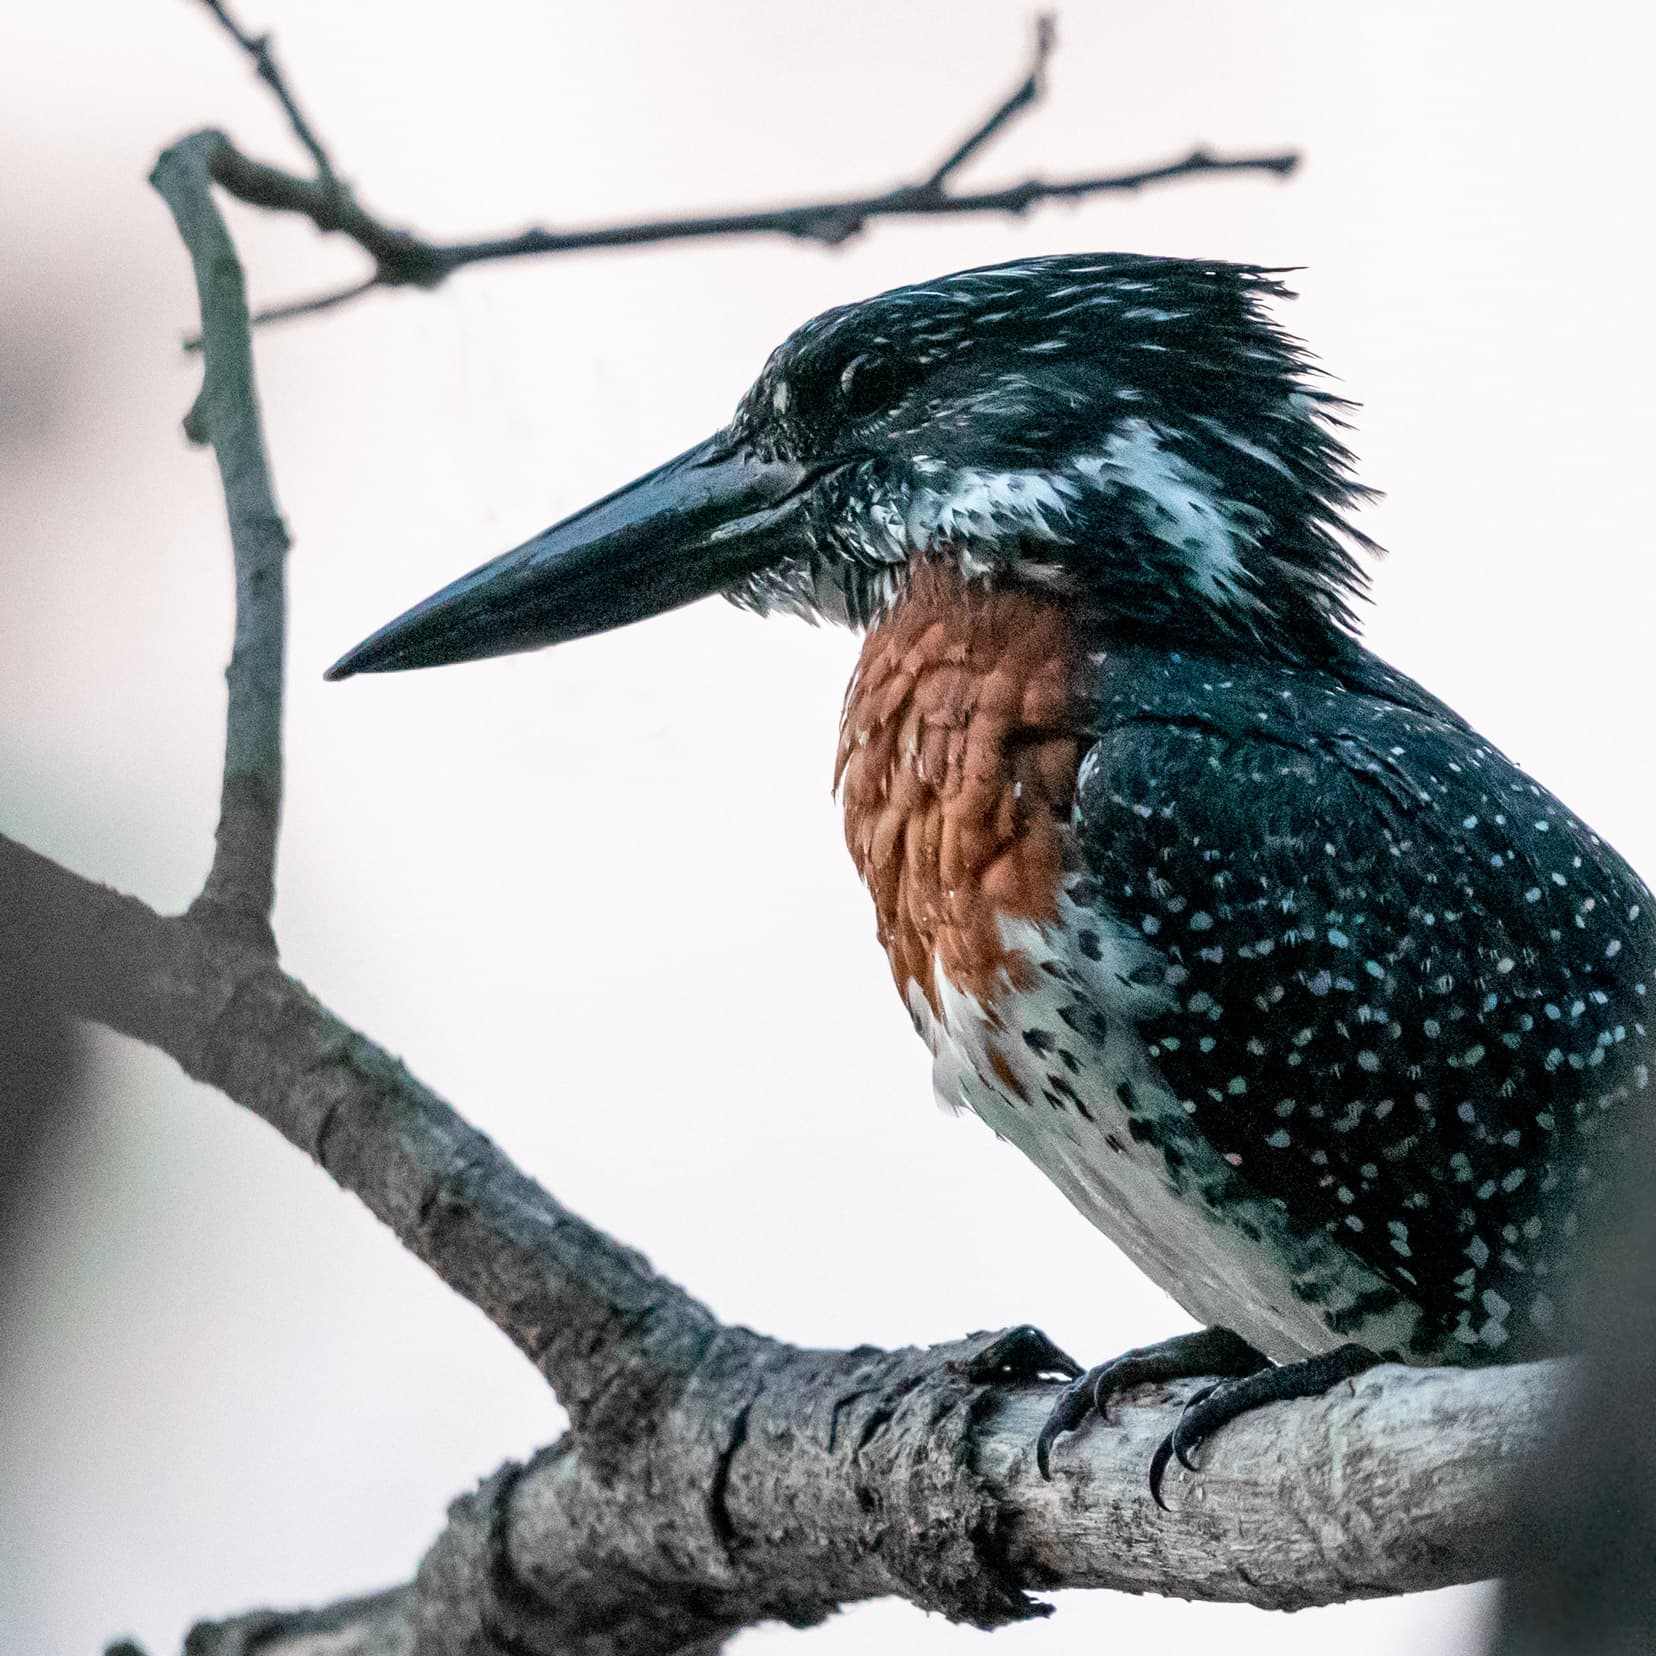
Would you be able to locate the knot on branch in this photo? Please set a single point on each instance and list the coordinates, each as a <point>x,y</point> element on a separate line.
<point>900,1430</point>
<point>472,1596</point>
<point>776,1485</point>
<point>402,259</point>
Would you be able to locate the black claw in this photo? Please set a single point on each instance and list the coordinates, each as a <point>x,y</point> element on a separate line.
<point>1070,1409</point>
<point>1209,1351</point>
<point>1111,1380</point>
<point>1217,1405</point>
<point>1043,1448</point>
<point>1184,1436</point>
<point>1158,1469</point>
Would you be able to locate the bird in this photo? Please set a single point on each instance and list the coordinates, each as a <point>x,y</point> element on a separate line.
<point>1307,996</point>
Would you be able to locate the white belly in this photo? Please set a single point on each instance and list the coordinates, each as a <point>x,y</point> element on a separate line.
<point>1144,1174</point>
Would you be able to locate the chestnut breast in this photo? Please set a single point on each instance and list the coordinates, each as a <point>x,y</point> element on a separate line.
<point>958,752</point>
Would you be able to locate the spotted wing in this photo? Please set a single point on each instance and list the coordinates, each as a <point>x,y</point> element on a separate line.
<point>1407,988</point>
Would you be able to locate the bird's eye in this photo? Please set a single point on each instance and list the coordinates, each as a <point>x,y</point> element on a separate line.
<point>867,384</point>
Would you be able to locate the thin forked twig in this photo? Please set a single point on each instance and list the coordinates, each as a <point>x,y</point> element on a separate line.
<point>1024,96</point>
<point>404,259</point>
<point>263,54</point>
<point>332,299</point>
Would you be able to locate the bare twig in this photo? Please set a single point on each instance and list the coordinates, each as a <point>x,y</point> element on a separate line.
<point>832,222</point>
<point>1024,96</point>
<point>405,259</point>
<point>402,258</point>
<point>332,299</point>
<point>240,886</point>
<point>263,54</point>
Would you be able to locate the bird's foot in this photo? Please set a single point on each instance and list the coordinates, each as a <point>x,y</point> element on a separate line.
<point>1018,1355</point>
<point>1184,1357</point>
<point>1216,1405</point>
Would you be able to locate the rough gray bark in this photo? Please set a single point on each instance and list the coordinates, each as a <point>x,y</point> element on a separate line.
<point>1297,1506</point>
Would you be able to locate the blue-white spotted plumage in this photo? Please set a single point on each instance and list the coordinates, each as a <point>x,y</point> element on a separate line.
<point>1088,1104</point>
<point>1344,1012</point>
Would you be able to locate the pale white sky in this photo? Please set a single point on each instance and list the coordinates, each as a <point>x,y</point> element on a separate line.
<point>598,897</point>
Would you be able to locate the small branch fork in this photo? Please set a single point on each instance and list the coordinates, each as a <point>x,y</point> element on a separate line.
<point>262,52</point>
<point>712,1478</point>
<point>402,258</point>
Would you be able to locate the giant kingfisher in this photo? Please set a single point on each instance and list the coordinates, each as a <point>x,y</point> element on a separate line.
<point>1306,996</point>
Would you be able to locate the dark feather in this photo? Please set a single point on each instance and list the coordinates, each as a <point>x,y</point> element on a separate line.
<point>1409,985</point>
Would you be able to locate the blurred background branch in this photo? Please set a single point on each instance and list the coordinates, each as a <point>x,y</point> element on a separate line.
<point>403,258</point>
<point>40,1064</point>
<point>1581,1580</point>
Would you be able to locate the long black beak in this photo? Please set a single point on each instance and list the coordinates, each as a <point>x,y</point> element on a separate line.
<point>693,527</point>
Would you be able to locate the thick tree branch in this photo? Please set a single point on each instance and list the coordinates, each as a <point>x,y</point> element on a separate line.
<point>590,1314</point>
<point>402,258</point>
<point>241,885</point>
<point>1294,1507</point>
<point>716,1478</point>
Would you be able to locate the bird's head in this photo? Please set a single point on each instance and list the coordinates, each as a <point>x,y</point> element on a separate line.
<point>1136,432</point>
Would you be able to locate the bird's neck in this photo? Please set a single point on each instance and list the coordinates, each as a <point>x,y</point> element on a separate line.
<point>959,744</point>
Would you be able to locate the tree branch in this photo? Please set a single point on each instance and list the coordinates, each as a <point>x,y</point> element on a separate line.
<point>590,1314</point>
<point>241,884</point>
<point>742,1479</point>
<point>261,50</point>
<point>403,258</point>
<point>1296,1507</point>
<point>1024,96</point>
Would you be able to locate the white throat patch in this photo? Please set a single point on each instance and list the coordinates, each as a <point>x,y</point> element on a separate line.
<point>982,514</point>
<point>988,508</point>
